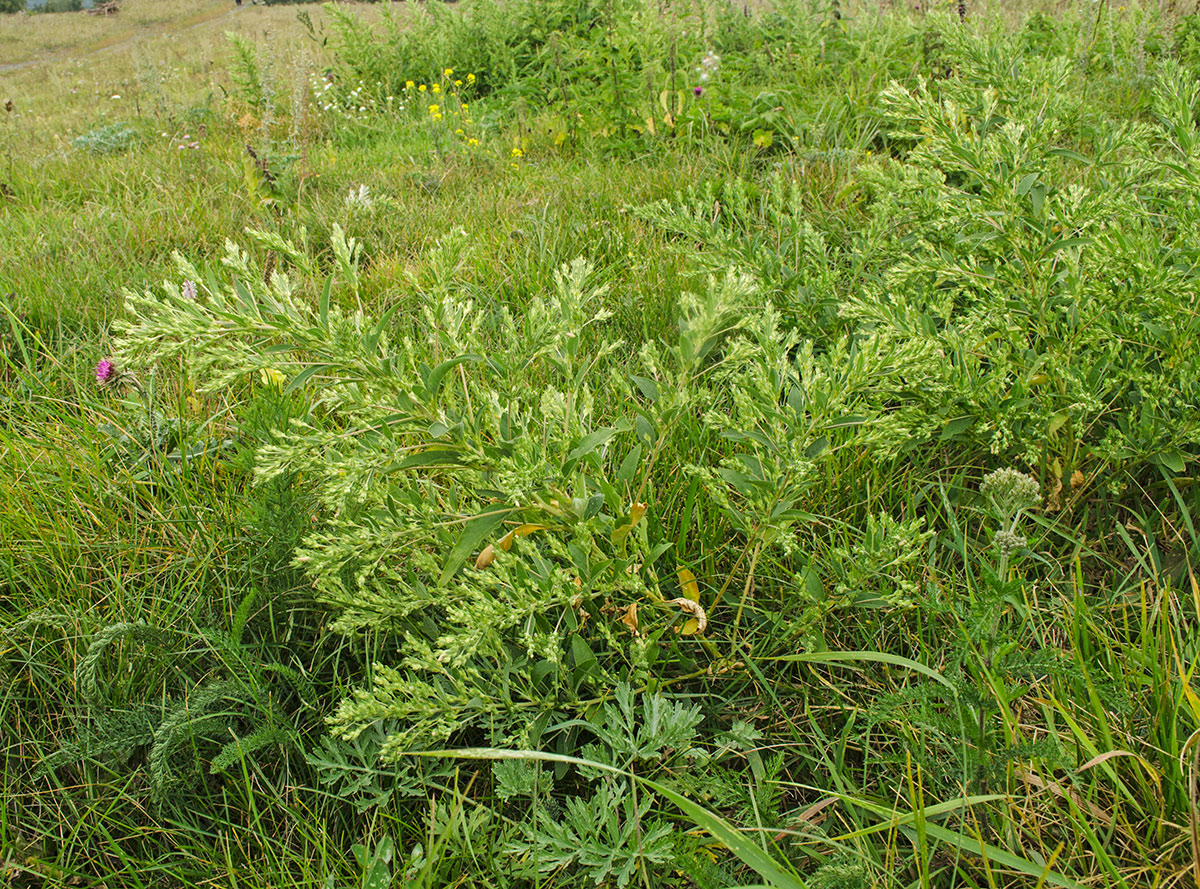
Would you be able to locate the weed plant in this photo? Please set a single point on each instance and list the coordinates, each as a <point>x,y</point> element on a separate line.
<point>609,444</point>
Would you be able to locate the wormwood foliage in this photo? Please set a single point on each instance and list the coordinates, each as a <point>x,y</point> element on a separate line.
<point>988,275</point>
<point>475,505</point>
<point>832,517</point>
<point>479,506</point>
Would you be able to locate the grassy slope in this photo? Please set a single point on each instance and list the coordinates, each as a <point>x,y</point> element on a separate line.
<point>88,545</point>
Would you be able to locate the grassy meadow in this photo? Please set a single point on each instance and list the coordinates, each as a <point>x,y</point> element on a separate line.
<point>579,443</point>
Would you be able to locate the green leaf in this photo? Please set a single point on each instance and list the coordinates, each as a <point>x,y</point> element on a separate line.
<point>476,531</point>
<point>428,459</point>
<point>747,851</point>
<point>590,442</point>
<point>594,504</point>
<point>372,339</point>
<point>1037,195</point>
<point>585,658</point>
<point>1069,155</point>
<point>323,305</point>
<point>1068,243</point>
<point>955,427</point>
<point>829,657</point>
<point>303,377</point>
<point>1173,460</point>
<point>629,465</point>
<point>645,431</point>
<point>433,382</point>
<point>648,388</point>
<point>1057,422</point>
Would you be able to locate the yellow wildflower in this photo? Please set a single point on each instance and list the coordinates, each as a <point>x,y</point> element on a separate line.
<point>437,88</point>
<point>434,109</point>
<point>408,84</point>
<point>472,141</point>
<point>470,78</point>
<point>458,83</point>
<point>448,72</point>
<point>421,88</point>
<point>516,152</point>
<point>459,132</point>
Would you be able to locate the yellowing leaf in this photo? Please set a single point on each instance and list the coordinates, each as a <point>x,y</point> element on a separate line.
<point>486,557</point>
<point>525,530</point>
<point>505,543</point>
<point>635,515</point>
<point>687,583</point>
<point>694,624</point>
<point>272,377</point>
<point>630,618</point>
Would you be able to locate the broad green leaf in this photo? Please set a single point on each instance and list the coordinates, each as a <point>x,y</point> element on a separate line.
<point>475,532</point>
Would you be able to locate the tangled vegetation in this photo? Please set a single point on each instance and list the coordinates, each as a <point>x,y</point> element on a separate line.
<point>612,444</point>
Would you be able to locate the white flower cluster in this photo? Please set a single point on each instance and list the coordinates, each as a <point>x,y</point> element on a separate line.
<point>708,66</point>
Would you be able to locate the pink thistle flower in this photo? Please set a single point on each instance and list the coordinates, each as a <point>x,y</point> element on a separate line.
<point>699,91</point>
<point>106,372</point>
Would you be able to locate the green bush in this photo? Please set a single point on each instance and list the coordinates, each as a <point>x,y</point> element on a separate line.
<point>843,488</point>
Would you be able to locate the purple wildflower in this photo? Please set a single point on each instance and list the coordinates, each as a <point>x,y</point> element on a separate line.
<point>699,91</point>
<point>106,372</point>
<point>189,289</point>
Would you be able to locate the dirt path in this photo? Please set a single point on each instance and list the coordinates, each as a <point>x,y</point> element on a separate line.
<point>123,42</point>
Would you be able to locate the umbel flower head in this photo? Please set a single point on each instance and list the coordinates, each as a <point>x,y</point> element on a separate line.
<point>1011,492</point>
<point>1009,542</point>
<point>106,372</point>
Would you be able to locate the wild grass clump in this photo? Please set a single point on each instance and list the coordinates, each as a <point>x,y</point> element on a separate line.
<point>616,444</point>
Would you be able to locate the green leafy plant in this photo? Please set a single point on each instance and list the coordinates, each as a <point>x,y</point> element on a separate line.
<point>109,139</point>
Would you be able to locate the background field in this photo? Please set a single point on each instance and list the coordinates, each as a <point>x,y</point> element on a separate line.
<point>791,409</point>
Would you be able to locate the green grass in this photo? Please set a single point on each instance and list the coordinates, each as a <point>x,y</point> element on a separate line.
<point>824,304</point>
